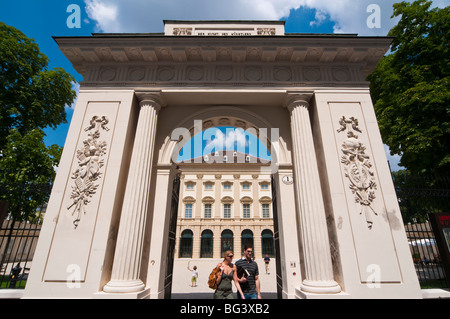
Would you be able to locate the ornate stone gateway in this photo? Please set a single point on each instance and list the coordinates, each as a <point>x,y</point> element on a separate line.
<point>106,230</point>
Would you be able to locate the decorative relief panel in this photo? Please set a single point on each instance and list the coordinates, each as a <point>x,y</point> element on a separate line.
<point>87,173</point>
<point>356,189</point>
<point>358,169</point>
<point>87,199</point>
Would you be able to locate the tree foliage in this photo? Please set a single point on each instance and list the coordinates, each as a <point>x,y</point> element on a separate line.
<point>27,170</point>
<point>420,195</point>
<point>32,97</point>
<point>410,88</point>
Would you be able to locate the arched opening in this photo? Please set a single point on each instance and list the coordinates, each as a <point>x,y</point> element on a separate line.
<point>186,241</point>
<point>225,166</point>
<point>206,244</point>
<point>267,243</point>
<point>226,241</point>
<point>247,239</point>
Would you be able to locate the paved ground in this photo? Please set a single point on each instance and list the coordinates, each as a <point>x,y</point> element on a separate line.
<point>181,286</point>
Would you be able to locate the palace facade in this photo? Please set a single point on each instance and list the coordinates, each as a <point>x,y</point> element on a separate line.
<point>223,206</point>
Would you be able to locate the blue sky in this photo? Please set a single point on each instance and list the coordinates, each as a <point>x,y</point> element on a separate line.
<point>43,19</point>
<point>223,138</point>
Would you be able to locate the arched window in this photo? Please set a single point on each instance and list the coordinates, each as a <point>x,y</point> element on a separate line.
<point>206,244</point>
<point>267,243</point>
<point>186,244</point>
<point>226,241</point>
<point>247,239</point>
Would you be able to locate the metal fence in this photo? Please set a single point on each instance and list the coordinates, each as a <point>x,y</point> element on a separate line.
<point>18,238</point>
<point>17,245</point>
<point>418,198</point>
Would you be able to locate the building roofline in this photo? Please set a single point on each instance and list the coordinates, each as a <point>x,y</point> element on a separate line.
<point>161,35</point>
<point>225,21</point>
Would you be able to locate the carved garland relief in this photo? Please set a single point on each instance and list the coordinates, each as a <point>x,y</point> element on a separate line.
<point>357,168</point>
<point>88,170</point>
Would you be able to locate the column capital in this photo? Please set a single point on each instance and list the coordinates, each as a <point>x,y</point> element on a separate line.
<point>297,98</point>
<point>154,98</point>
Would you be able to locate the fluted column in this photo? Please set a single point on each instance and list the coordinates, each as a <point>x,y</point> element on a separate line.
<point>313,225</point>
<point>130,237</point>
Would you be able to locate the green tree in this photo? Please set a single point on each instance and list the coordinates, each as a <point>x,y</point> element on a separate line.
<point>420,195</point>
<point>411,88</point>
<point>27,170</point>
<point>32,97</point>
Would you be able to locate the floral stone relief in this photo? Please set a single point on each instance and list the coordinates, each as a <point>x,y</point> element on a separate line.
<point>89,167</point>
<point>358,169</point>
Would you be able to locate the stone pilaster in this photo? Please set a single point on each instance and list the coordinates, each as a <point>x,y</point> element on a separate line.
<point>127,257</point>
<point>313,225</point>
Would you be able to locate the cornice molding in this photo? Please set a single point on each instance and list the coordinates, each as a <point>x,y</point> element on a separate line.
<point>225,61</point>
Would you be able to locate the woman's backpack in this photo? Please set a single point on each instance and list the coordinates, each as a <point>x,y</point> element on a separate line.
<point>212,280</point>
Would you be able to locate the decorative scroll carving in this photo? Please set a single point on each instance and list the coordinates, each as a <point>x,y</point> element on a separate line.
<point>266,31</point>
<point>88,170</point>
<point>182,31</point>
<point>357,168</point>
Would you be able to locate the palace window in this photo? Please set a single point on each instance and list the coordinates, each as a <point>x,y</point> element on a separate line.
<point>208,186</point>
<point>208,210</point>
<point>265,210</point>
<point>246,210</point>
<point>186,244</point>
<point>206,244</point>
<point>246,186</point>
<point>226,210</point>
<point>247,239</point>
<point>226,241</point>
<point>190,186</point>
<point>267,242</point>
<point>188,211</point>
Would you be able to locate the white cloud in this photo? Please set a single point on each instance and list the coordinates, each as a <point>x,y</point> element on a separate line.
<point>320,17</point>
<point>349,16</point>
<point>105,14</point>
<point>234,138</point>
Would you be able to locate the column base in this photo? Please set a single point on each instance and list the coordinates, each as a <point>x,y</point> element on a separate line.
<point>124,286</point>
<point>144,294</point>
<point>299,294</point>
<point>320,287</point>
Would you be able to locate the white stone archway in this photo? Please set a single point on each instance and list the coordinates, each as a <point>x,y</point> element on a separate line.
<point>108,222</point>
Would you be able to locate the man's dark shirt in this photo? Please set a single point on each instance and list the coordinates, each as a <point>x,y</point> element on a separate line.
<point>252,267</point>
